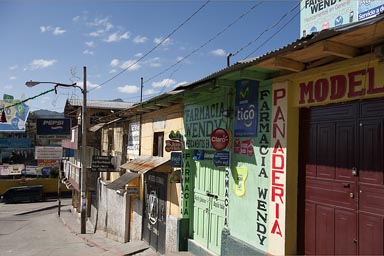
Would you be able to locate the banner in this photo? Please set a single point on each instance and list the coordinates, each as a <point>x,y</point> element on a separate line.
<point>16,114</point>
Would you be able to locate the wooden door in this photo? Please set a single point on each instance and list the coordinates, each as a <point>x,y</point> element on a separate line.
<point>208,215</point>
<point>342,162</point>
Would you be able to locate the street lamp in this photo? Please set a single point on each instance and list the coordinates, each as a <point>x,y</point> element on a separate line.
<point>83,172</point>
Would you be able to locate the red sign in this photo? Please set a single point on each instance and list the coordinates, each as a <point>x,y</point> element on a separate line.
<point>219,139</point>
<point>172,145</point>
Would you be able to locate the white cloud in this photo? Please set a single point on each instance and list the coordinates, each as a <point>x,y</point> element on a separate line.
<point>13,67</point>
<point>218,52</point>
<point>8,87</point>
<point>139,55</point>
<point>97,33</point>
<point>115,37</point>
<point>43,29</point>
<point>88,52</point>
<point>159,40</point>
<point>58,31</point>
<point>114,62</point>
<point>126,35</point>
<point>149,92</point>
<point>112,71</point>
<point>90,44</point>
<point>131,65</point>
<point>55,30</point>
<point>45,100</point>
<point>104,23</point>
<point>154,62</point>
<point>140,39</point>
<point>89,84</point>
<point>40,64</point>
<point>128,89</point>
<point>76,18</point>
<point>165,83</point>
<point>12,78</point>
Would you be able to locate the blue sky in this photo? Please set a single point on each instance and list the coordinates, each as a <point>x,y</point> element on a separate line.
<point>119,42</point>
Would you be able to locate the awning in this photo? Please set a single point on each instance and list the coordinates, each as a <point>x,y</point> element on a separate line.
<point>142,164</point>
<point>122,180</point>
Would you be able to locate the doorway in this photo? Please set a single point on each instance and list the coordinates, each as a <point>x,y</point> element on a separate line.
<point>342,185</point>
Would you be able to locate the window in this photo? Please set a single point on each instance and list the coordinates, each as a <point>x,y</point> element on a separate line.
<point>158,143</point>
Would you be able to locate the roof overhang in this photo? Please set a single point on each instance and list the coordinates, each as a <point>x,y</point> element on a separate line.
<point>123,180</point>
<point>143,164</point>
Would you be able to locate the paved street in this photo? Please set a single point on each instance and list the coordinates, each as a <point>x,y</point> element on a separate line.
<point>28,229</point>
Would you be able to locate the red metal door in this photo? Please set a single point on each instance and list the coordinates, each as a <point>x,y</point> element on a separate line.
<point>342,162</point>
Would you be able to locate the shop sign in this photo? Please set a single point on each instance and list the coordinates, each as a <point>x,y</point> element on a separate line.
<point>16,114</point>
<point>133,190</point>
<point>244,147</point>
<point>219,139</point>
<point>198,155</point>
<point>341,86</point>
<point>176,159</point>
<point>54,153</point>
<point>102,164</point>
<point>173,145</point>
<point>175,135</point>
<point>57,128</point>
<point>133,138</point>
<point>201,119</point>
<point>221,159</point>
<point>246,108</point>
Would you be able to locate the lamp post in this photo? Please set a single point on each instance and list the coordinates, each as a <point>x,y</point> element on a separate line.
<point>83,172</point>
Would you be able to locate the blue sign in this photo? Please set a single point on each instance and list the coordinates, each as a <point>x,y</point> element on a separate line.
<point>221,159</point>
<point>176,159</point>
<point>16,114</point>
<point>54,128</point>
<point>246,108</point>
<point>15,143</point>
<point>198,155</point>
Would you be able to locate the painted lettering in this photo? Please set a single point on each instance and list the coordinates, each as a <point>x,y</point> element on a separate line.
<point>351,85</point>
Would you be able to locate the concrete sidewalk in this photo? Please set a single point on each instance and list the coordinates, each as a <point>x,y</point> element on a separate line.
<point>111,247</point>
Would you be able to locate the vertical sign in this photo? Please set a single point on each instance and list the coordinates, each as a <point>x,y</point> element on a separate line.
<point>133,138</point>
<point>278,170</point>
<point>263,168</point>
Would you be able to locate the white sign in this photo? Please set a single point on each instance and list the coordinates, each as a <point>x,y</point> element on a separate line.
<point>53,153</point>
<point>133,138</point>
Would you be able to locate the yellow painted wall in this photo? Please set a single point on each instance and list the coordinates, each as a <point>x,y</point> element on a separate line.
<point>152,122</point>
<point>173,121</point>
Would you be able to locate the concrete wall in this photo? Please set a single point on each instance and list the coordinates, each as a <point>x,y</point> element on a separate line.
<point>137,219</point>
<point>112,217</point>
<point>171,244</point>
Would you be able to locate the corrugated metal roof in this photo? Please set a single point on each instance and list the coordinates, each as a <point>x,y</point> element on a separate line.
<point>122,180</point>
<point>101,104</point>
<point>294,46</point>
<point>142,164</point>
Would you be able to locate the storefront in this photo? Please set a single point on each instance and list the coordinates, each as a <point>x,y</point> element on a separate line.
<point>341,158</point>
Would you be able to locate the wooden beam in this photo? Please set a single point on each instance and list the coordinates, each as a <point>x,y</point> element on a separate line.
<point>288,64</point>
<point>340,50</point>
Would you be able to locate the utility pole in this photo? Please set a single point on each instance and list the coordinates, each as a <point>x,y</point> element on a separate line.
<point>83,172</point>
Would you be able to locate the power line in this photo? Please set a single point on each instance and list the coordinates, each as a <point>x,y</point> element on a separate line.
<point>154,48</point>
<point>266,30</point>
<point>31,98</point>
<point>207,42</point>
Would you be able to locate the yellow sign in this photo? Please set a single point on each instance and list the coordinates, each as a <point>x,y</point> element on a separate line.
<point>242,174</point>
